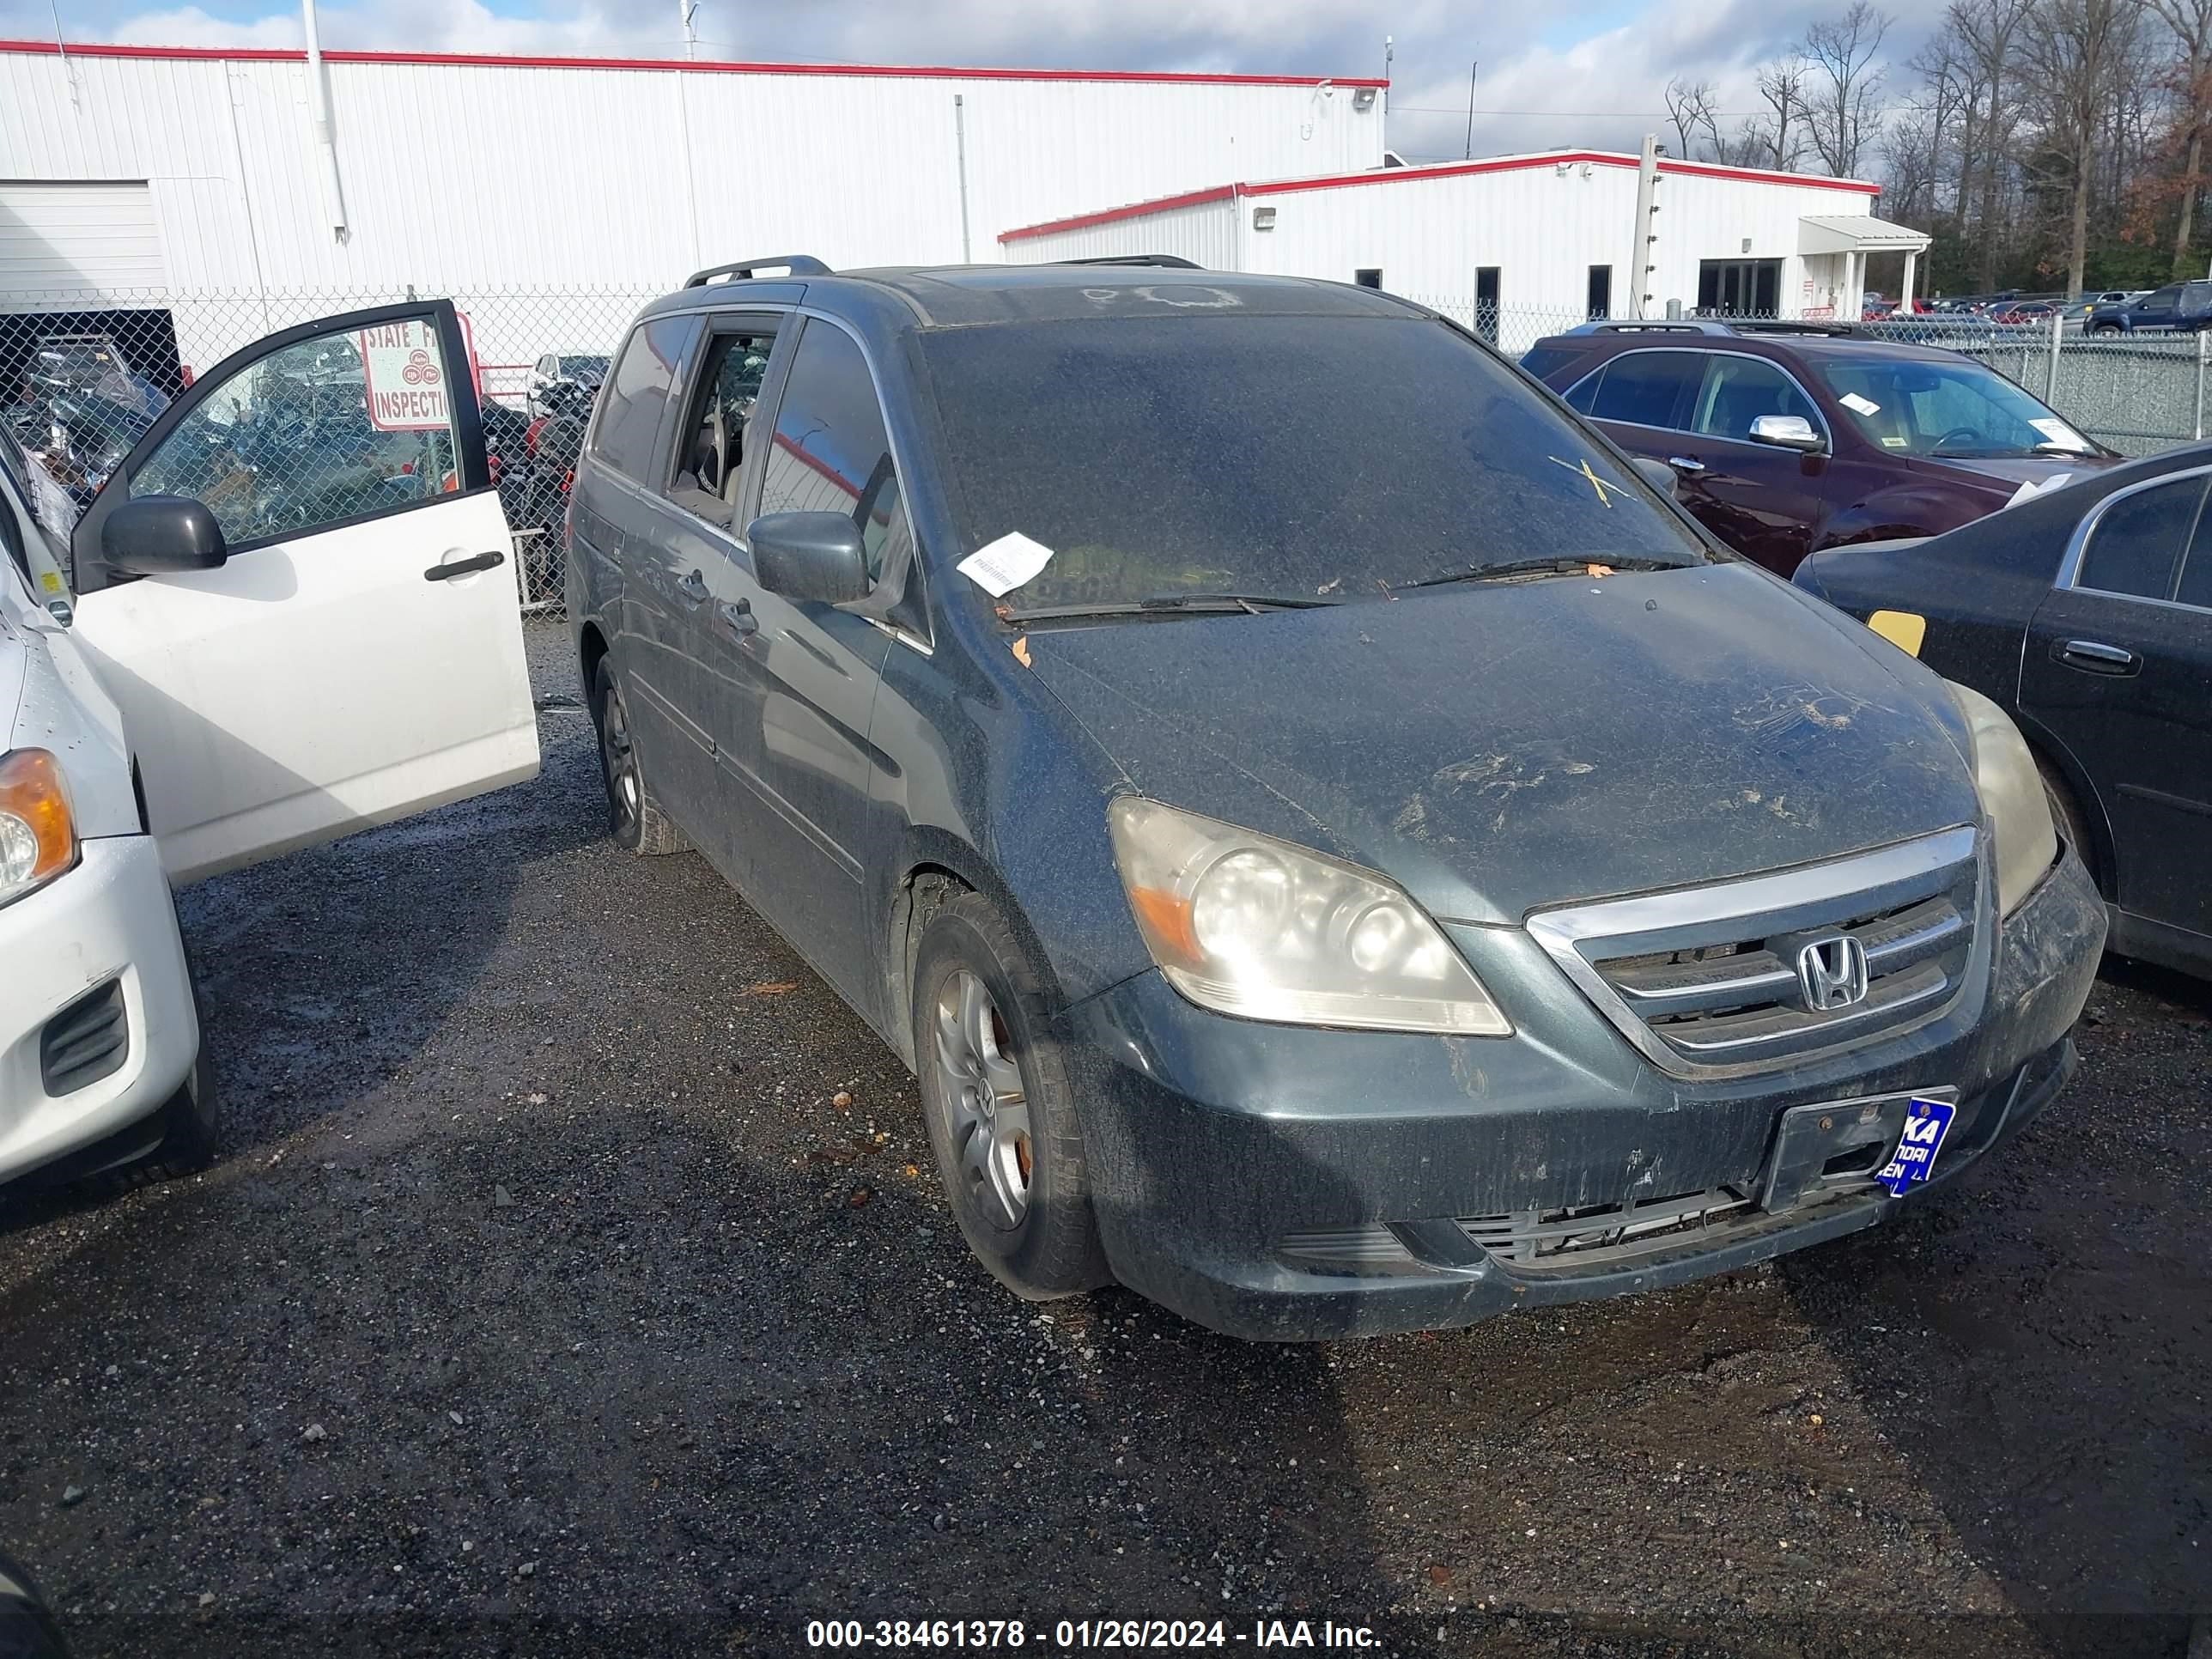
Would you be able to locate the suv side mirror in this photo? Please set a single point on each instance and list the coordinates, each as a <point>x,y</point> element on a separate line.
<point>1657,473</point>
<point>160,535</point>
<point>810,556</point>
<point>1785,432</point>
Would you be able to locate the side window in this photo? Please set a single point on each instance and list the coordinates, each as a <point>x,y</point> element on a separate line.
<point>710,451</point>
<point>2195,586</point>
<point>637,394</point>
<point>2158,303</point>
<point>1737,390</point>
<point>2196,298</point>
<point>830,453</point>
<point>323,431</point>
<point>2138,543</point>
<point>548,367</point>
<point>1648,388</point>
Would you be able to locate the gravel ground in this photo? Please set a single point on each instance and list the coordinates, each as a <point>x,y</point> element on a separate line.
<point>547,1302</point>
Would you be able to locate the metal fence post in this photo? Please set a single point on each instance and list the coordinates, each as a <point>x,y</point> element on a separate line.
<point>2051,373</point>
<point>2200,385</point>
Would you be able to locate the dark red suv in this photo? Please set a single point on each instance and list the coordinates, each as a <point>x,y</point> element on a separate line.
<point>1786,438</point>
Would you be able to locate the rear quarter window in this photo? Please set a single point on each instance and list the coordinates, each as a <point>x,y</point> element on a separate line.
<point>635,396</point>
<point>1546,362</point>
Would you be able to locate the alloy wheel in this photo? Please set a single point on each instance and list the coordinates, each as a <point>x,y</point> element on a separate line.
<point>618,759</point>
<point>981,1085</point>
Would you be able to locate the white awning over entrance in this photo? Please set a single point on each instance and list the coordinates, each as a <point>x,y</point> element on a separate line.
<point>1856,233</point>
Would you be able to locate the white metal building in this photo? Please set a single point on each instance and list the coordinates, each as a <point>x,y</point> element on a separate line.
<point>1555,233</point>
<point>128,172</point>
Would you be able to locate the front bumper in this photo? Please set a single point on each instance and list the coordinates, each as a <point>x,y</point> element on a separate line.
<point>1213,1144</point>
<point>110,921</point>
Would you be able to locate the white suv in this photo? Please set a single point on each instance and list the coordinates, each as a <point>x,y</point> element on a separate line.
<point>235,653</point>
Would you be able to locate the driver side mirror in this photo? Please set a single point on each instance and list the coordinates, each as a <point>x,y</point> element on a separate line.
<point>1785,432</point>
<point>810,556</point>
<point>1657,473</point>
<point>160,535</point>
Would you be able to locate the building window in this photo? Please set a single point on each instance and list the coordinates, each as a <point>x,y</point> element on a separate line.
<point>1601,292</point>
<point>1486,303</point>
<point>1369,277</point>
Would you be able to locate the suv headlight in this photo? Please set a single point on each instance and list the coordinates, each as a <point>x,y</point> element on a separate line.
<point>2012,794</point>
<point>1244,924</point>
<point>38,839</point>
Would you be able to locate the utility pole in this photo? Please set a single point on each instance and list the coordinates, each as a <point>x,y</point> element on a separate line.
<point>1390,56</point>
<point>685,10</point>
<point>1643,261</point>
<point>1471,70</point>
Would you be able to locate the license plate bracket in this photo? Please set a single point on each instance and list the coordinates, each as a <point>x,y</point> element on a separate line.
<point>1820,1147</point>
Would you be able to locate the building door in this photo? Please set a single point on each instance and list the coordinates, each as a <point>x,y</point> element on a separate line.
<point>1486,303</point>
<point>1601,292</point>
<point>1740,287</point>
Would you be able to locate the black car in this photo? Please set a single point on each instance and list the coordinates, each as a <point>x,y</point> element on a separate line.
<point>1342,852</point>
<point>2086,614</point>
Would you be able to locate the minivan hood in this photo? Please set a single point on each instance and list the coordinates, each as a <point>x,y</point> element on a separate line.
<point>1501,747</point>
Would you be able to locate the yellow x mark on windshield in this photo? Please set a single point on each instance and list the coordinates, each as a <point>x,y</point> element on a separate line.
<point>1581,469</point>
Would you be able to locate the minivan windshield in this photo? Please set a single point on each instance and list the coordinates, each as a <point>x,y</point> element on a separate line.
<point>1956,411</point>
<point>1298,457</point>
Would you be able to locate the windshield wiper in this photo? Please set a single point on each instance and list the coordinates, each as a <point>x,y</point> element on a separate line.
<point>2068,451</point>
<point>1169,604</point>
<point>1551,567</point>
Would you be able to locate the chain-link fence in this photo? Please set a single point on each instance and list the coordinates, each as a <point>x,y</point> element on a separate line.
<point>298,440</point>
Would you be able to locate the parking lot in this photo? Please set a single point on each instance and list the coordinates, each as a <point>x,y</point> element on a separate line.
<point>575,1282</point>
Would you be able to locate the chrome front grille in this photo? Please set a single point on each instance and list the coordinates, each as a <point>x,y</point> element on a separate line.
<point>1707,979</point>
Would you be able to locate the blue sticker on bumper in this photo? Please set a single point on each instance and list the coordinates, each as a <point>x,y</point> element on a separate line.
<point>1926,1123</point>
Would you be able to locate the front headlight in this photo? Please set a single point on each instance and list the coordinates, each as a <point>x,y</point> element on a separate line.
<point>38,839</point>
<point>2012,794</point>
<point>1244,924</point>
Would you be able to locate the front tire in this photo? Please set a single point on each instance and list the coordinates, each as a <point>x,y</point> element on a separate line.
<point>1000,1112</point>
<point>635,818</point>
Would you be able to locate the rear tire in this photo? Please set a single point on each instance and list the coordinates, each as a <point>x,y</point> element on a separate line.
<point>635,818</point>
<point>1000,1112</point>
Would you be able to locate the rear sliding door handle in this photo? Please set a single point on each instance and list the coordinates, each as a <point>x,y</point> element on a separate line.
<point>739,618</point>
<point>2095,657</point>
<point>692,589</point>
<point>468,567</point>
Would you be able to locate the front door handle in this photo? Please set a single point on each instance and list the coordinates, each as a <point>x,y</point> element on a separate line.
<point>468,567</point>
<point>739,618</point>
<point>2095,657</point>
<point>1686,464</point>
<point>692,589</point>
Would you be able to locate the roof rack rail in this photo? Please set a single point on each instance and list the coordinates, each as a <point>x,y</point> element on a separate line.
<point>1786,326</point>
<point>794,264</point>
<point>1167,261</point>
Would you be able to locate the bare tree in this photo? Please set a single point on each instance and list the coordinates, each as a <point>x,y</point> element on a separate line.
<point>1988,31</point>
<point>1691,107</point>
<point>2074,51</point>
<point>1781,84</point>
<point>1842,105</point>
<point>2191,23</point>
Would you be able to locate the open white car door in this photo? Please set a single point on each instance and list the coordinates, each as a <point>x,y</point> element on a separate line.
<point>324,633</point>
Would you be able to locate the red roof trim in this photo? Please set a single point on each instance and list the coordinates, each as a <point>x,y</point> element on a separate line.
<point>1134,210</point>
<point>1407,175</point>
<point>487,60</point>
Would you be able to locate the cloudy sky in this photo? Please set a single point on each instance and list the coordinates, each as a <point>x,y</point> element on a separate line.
<point>1591,73</point>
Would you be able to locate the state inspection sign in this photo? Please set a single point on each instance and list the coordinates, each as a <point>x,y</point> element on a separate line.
<point>405,377</point>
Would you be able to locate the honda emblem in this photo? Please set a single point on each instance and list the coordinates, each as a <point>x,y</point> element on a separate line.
<point>1832,973</point>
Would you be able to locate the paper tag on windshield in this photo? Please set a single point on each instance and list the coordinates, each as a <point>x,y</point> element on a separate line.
<point>2059,433</point>
<point>999,568</point>
<point>1859,406</point>
<point>2057,481</point>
